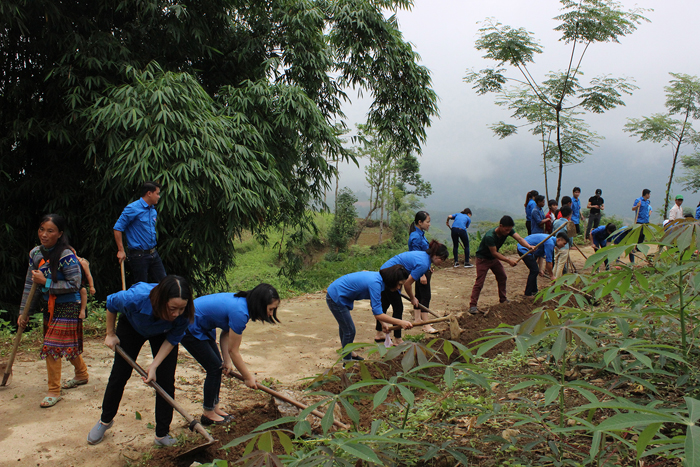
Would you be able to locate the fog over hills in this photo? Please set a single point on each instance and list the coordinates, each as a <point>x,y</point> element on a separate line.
<point>469,167</point>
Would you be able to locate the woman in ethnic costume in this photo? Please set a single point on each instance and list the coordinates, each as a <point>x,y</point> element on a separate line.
<point>55,269</point>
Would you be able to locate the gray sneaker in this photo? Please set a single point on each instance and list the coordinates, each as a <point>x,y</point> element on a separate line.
<point>468,265</point>
<point>474,310</point>
<point>166,441</point>
<point>98,431</point>
<point>456,265</point>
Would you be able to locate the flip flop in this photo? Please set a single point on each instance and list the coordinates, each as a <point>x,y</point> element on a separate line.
<point>431,330</point>
<point>49,401</point>
<point>73,383</point>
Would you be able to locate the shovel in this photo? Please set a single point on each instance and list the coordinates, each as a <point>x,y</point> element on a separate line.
<point>419,306</point>
<point>288,400</point>
<point>7,375</point>
<point>194,424</point>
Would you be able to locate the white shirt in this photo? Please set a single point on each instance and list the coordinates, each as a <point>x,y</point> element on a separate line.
<point>675,213</point>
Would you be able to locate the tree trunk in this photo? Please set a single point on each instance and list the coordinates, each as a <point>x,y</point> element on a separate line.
<point>381,216</point>
<point>337,180</point>
<point>673,166</point>
<point>561,157</point>
<point>544,164</point>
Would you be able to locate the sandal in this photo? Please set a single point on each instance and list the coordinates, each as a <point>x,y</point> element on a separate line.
<point>49,401</point>
<point>430,330</point>
<point>73,383</point>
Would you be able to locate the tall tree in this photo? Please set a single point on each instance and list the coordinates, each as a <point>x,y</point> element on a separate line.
<point>576,139</point>
<point>583,23</point>
<point>683,101</point>
<point>230,104</point>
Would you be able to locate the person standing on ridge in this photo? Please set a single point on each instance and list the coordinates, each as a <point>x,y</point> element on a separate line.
<point>596,204</point>
<point>529,206</point>
<point>576,209</point>
<point>676,211</point>
<point>138,224</point>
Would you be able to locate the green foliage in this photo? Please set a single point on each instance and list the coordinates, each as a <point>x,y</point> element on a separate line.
<point>344,223</point>
<point>682,99</point>
<point>231,105</point>
<point>550,108</point>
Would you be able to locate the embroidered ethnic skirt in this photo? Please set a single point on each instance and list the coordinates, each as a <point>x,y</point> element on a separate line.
<point>63,336</point>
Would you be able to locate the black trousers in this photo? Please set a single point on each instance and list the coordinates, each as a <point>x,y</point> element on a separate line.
<point>423,291</point>
<point>131,341</point>
<point>531,263</point>
<point>394,300</point>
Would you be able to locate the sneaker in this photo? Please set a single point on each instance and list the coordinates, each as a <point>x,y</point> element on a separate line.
<point>166,441</point>
<point>468,265</point>
<point>456,265</point>
<point>474,310</point>
<point>98,431</point>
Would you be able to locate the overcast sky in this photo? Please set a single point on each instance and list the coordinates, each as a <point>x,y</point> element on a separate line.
<point>468,166</point>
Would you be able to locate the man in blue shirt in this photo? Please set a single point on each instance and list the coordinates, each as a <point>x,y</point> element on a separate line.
<point>539,220</point>
<point>576,209</point>
<point>642,209</point>
<point>138,223</point>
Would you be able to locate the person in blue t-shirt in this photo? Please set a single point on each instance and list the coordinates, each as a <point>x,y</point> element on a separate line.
<point>138,224</point>
<point>697,212</point>
<point>363,285</point>
<point>157,313</point>
<point>462,221</point>
<point>230,313</point>
<point>529,206</point>
<point>418,242</point>
<point>599,238</point>
<point>546,250</point>
<point>642,210</point>
<point>417,263</point>
<point>576,209</point>
<point>538,219</point>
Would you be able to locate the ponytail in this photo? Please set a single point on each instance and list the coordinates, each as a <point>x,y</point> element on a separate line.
<point>420,216</point>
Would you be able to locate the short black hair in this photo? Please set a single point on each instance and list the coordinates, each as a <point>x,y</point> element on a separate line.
<point>148,187</point>
<point>565,200</point>
<point>565,211</point>
<point>393,275</point>
<point>576,189</point>
<point>507,221</point>
<point>610,228</point>
<point>539,198</point>
<point>564,236</point>
<point>646,191</point>
<point>552,202</point>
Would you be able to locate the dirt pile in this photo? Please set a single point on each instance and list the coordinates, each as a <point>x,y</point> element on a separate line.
<point>476,326</point>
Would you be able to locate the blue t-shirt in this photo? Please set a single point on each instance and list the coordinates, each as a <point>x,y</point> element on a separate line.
<point>461,221</point>
<point>537,217</point>
<point>528,209</point>
<point>600,236</point>
<point>697,213</point>
<point>220,310</point>
<point>416,262</point>
<point>617,238</point>
<point>643,210</point>
<point>138,222</point>
<point>417,241</point>
<point>575,210</point>
<point>361,285</point>
<point>545,250</point>
<point>135,304</point>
